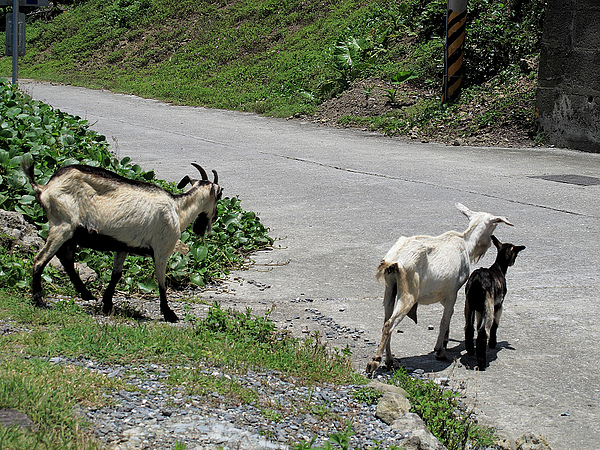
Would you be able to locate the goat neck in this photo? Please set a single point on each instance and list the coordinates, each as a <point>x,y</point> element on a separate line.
<point>193,202</point>
<point>478,238</point>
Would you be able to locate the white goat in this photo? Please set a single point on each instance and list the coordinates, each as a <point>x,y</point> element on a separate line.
<point>427,269</point>
<point>95,208</point>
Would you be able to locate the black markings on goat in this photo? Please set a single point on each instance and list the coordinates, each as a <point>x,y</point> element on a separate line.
<point>485,292</point>
<point>95,208</point>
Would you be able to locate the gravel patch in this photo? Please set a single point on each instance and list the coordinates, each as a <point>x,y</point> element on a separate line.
<point>151,413</point>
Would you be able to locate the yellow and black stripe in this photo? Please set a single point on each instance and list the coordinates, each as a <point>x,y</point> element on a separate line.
<point>455,40</point>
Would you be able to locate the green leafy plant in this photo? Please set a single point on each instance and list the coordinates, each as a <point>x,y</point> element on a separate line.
<point>31,129</point>
<point>124,13</point>
<point>391,95</point>
<point>348,59</point>
<point>403,76</point>
<point>367,395</point>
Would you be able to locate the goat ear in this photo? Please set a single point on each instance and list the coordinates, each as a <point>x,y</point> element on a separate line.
<point>498,219</point>
<point>217,191</point>
<point>463,209</point>
<point>185,180</point>
<point>496,242</point>
<point>519,248</point>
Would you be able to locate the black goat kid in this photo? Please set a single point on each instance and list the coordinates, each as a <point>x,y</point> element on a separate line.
<point>485,292</point>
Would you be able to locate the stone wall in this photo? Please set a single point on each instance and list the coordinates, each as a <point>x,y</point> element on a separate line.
<point>568,96</point>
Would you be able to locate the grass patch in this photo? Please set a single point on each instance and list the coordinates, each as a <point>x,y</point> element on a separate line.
<point>226,341</point>
<point>220,339</point>
<point>48,394</point>
<point>441,412</point>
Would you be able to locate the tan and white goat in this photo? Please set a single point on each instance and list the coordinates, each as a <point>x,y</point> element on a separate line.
<point>95,208</point>
<point>429,269</point>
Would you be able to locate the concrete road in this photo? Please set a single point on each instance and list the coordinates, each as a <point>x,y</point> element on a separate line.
<point>339,199</point>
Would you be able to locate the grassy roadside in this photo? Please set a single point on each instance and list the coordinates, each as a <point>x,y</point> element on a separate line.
<point>234,342</point>
<point>289,58</point>
<point>48,393</point>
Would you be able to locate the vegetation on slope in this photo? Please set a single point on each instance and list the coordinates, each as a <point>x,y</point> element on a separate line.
<point>285,58</point>
<point>54,139</point>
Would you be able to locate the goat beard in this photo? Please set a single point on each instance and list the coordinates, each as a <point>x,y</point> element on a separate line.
<point>201,225</point>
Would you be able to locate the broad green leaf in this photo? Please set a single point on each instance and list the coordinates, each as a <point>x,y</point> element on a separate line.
<point>147,285</point>
<point>69,161</point>
<point>26,199</point>
<point>199,253</point>
<point>197,279</point>
<point>12,112</point>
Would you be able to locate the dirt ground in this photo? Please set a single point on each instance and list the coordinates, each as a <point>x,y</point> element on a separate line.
<point>509,125</point>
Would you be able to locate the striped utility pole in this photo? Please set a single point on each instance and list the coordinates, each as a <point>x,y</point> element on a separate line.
<point>456,19</point>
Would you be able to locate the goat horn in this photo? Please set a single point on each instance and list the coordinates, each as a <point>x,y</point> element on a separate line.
<point>216,180</point>
<point>201,170</point>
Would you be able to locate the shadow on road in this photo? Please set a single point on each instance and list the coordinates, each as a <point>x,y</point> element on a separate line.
<point>470,362</point>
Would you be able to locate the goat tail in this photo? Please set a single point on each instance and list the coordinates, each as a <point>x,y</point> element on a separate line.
<point>385,268</point>
<point>28,170</point>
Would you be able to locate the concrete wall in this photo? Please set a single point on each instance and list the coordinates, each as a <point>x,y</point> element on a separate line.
<point>568,96</point>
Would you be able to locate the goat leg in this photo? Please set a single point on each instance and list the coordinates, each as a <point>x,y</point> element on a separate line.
<point>389,301</point>
<point>66,255</point>
<point>484,327</point>
<point>36,286</point>
<point>442,342</point>
<point>109,292</point>
<point>469,329</point>
<point>161,269</point>
<point>57,236</point>
<point>385,338</point>
<point>493,340</point>
<point>481,349</point>
<point>168,313</point>
<point>405,305</point>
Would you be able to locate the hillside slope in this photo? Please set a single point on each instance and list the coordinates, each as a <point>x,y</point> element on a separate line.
<point>372,64</point>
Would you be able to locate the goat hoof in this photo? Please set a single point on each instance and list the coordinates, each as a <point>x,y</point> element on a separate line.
<point>372,366</point>
<point>87,296</point>
<point>170,316</point>
<point>38,300</point>
<point>440,355</point>
<point>392,365</point>
<point>42,304</point>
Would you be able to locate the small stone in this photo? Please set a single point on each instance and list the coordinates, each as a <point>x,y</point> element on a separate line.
<point>530,441</point>
<point>444,381</point>
<point>12,417</point>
